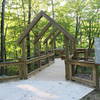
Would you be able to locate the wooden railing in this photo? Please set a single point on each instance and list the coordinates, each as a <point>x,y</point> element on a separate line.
<point>84,58</point>
<point>39,58</point>
<point>23,73</point>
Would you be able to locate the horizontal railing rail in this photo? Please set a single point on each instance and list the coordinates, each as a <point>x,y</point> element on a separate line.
<point>27,61</point>
<point>39,58</point>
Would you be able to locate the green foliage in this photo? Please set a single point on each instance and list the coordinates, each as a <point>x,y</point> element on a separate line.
<point>12,70</point>
<point>16,20</point>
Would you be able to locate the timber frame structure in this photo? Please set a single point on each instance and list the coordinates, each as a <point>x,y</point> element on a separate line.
<point>69,40</point>
<point>71,55</point>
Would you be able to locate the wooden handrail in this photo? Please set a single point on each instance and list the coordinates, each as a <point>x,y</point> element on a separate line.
<point>83,62</point>
<point>25,61</point>
<point>9,63</point>
<point>39,58</point>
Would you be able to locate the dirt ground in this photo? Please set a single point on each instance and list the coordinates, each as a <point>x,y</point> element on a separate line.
<point>95,95</point>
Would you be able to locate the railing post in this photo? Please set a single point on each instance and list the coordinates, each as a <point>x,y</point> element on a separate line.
<point>97,77</point>
<point>53,51</point>
<point>37,47</point>
<point>47,59</point>
<point>23,67</point>
<point>67,70</point>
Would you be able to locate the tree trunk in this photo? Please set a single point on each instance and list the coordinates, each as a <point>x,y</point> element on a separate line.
<point>24,12</point>
<point>28,36</point>
<point>2,36</point>
<point>77,26</point>
<point>53,16</point>
<point>90,32</point>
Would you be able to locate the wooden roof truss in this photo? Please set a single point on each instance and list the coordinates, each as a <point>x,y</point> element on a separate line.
<point>41,34</point>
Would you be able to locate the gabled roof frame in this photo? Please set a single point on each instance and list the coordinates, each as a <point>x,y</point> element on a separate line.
<point>36,20</point>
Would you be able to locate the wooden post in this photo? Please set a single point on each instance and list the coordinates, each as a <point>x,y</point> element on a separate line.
<point>94,73</point>
<point>23,68</point>
<point>66,45</point>
<point>70,71</point>
<point>97,77</point>
<point>37,51</point>
<point>74,46</point>
<point>53,51</point>
<point>71,47</point>
<point>47,60</point>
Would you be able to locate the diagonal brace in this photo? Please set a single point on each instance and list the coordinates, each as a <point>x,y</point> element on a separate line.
<point>29,28</point>
<point>50,35</point>
<point>58,32</point>
<point>43,32</point>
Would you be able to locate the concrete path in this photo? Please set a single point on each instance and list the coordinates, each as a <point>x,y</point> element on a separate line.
<point>48,84</point>
<point>55,72</point>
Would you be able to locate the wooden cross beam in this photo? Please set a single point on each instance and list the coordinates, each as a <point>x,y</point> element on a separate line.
<point>58,32</point>
<point>29,28</point>
<point>43,32</point>
<point>59,27</point>
<point>50,35</point>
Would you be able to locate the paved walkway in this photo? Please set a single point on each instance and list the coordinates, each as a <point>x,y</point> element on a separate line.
<point>48,84</point>
<point>55,72</point>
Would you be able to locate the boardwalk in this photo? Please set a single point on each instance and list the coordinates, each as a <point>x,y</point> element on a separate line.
<point>48,84</point>
<point>55,72</point>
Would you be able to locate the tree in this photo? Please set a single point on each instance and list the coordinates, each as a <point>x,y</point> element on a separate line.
<point>2,35</point>
<point>53,16</point>
<point>28,36</point>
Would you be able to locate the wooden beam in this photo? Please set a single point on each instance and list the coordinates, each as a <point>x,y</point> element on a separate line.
<point>69,36</point>
<point>85,81</point>
<point>97,77</point>
<point>47,60</point>
<point>67,55</point>
<point>23,70</point>
<point>43,32</point>
<point>35,21</point>
<point>29,28</point>
<point>50,35</point>
<point>82,63</point>
<point>3,64</point>
<point>58,32</point>
<point>9,78</point>
<point>32,60</point>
